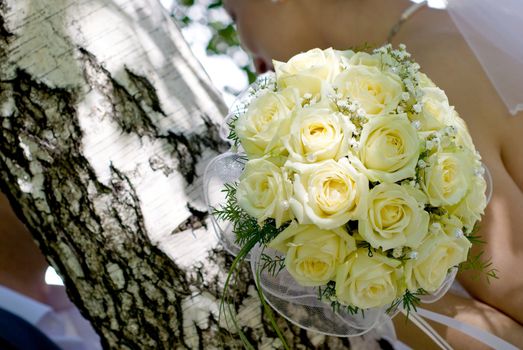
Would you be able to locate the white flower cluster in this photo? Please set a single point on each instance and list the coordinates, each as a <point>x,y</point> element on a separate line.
<point>360,153</point>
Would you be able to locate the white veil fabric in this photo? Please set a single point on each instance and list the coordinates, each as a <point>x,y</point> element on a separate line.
<point>494,31</point>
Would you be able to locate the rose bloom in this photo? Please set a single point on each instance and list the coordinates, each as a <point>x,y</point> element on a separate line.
<point>472,206</point>
<point>389,149</point>
<point>313,254</point>
<point>436,255</point>
<point>447,177</point>
<point>377,92</point>
<point>463,137</point>
<point>367,282</point>
<point>395,218</point>
<point>263,192</point>
<point>258,129</point>
<point>436,112</point>
<point>307,71</point>
<point>316,134</point>
<point>365,59</point>
<point>328,193</point>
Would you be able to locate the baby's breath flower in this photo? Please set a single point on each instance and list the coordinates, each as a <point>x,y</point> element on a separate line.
<point>435,227</point>
<point>458,233</point>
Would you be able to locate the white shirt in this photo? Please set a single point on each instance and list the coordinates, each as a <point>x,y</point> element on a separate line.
<point>60,320</point>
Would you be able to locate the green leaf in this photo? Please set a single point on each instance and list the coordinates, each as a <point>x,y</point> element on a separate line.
<point>480,266</point>
<point>216,4</point>
<point>409,301</point>
<point>250,73</point>
<point>186,3</point>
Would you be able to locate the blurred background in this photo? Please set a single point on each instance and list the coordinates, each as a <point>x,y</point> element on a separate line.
<point>212,37</point>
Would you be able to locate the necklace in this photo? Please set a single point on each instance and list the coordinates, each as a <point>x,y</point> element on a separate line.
<point>412,9</point>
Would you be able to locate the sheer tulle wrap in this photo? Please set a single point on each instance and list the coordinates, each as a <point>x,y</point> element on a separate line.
<point>494,31</point>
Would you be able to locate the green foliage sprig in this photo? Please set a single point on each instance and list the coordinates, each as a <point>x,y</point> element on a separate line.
<point>481,266</point>
<point>409,301</point>
<point>272,265</point>
<point>476,262</point>
<point>248,233</point>
<point>232,130</point>
<point>328,294</point>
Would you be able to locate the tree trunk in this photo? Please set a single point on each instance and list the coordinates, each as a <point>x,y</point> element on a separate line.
<point>107,122</point>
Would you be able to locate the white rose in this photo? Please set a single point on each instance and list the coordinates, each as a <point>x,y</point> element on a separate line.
<point>258,129</point>
<point>365,59</point>
<point>436,112</point>
<point>322,64</point>
<point>472,206</point>
<point>368,281</point>
<point>463,137</point>
<point>263,192</point>
<point>317,134</point>
<point>328,194</point>
<point>344,57</point>
<point>389,149</point>
<point>377,92</point>
<point>424,80</point>
<point>436,255</point>
<point>447,177</point>
<point>394,217</point>
<point>313,254</point>
<point>307,71</point>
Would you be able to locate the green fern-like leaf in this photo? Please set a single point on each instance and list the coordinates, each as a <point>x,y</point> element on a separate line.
<point>481,266</point>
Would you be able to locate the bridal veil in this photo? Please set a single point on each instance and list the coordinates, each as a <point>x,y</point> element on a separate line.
<point>494,31</point>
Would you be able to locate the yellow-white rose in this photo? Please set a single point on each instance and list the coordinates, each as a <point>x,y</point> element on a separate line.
<point>436,112</point>
<point>344,57</point>
<point>263,191</point>
<point>313,254</point>
<point>447,177</point>
<point>472,206</point>
<point>424,80</point>
<point>395,218</point>
<point>258,129</point>
<point>317,134</point>
<point>389,149</point>
<point>322,64</point>
<point>328,193</point>
<point>436,255</point>
<point>365,59</point>
<point>463,137</point>
<point>307,71</point>
<point>377,92</point>
<point>367,282</point>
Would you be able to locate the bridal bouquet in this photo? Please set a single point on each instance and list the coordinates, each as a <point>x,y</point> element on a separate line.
<point>359,172</point>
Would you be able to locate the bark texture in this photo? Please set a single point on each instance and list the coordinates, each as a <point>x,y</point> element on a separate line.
<point>107,122</point>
